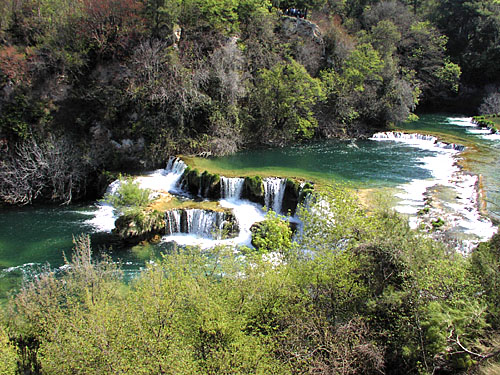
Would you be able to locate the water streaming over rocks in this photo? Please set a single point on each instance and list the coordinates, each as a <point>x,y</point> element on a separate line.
<point>274,191</point>
<point>231,188</point>
<point>430,185</point>
<point>202,223</point>
<point>451,194</point>
<point>418,139</point>
<point>161,180</point>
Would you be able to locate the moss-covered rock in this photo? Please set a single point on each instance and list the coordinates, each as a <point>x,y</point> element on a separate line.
<point>291,197</point>
<point>307,189</point>
<point>210,185</point>
<point>139,225</point>
<point>253,189</point>
<point>191,181</point>
<point>206,184</point>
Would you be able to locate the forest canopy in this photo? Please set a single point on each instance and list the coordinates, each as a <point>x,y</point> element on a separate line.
<point>129,82</point>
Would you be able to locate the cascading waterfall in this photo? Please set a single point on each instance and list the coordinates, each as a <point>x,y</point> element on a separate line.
<point>175,166</point>
<point>173,221</point>
<point>274,190</point>
<point>164,179</point>
<point>393,136</point>
<point>202,223</point>
<point>231,188</point>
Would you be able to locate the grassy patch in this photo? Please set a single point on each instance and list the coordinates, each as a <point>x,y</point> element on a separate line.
<point>173,203</point>
<point>213,167</point>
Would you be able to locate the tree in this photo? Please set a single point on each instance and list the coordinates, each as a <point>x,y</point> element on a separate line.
<point>52,169</point>
<point>272,235</point>
<point>8,357</point>
<point>491,103</point>
<point>161,16</point>
<point>282,104</point>
<point>110,27</point>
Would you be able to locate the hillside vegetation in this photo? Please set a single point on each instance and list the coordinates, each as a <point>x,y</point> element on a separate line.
<point>355,294</point>
<point>93,85</point>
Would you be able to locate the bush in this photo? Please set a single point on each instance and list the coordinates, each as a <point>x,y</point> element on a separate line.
<point>129,196</point>
<point>272,234</point>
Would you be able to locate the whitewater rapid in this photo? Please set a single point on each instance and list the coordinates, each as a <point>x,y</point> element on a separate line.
<point>461,212</point>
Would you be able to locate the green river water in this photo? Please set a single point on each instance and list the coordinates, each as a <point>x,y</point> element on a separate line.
<point>33,237</point>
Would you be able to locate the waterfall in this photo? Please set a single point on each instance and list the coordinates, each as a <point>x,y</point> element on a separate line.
<point>173,221</point>
<point>175,166</point>
<point>274,190</point>
<point>450,146</point>
<point>409,136</point>
<point>231,187</point>
<point>399,136</point>
<point>202,223</point>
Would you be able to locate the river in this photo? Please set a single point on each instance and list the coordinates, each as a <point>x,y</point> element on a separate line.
<point>32,238</point>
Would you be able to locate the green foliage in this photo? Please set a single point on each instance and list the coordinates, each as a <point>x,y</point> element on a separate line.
<point>485,263</point>
<point>129,196</point>
<point>21,117</point>
<point>363,65</point>
<point>438,223</point>
<point>219,15</point>
<point>283,102</point>
<point>272,235</point>
<point>356,292</point>
<point>8,358</point>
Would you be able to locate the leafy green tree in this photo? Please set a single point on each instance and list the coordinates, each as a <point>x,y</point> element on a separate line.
<point>129,196</point>
<point>161,16</point>
<point>485,262</point>
<point>272,234</point>
<point>282,104</point>
<point>8,357</point>
<point>205,14</point>
<point>473,36</point>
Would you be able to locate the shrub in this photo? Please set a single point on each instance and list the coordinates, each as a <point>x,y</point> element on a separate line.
<point>129,196</point>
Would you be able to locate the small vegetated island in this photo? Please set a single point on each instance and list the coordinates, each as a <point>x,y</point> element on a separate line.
<point>297,268</point>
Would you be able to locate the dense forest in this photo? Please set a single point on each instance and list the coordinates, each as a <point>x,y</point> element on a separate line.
<point>93,87</point>
<point>89,86</point>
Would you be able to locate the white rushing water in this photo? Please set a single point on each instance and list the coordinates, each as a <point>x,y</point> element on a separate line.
<point>246,213</point>
<point>473,128</point>
<point>274,191</point>
<point>459,209</point>
<point>161,180</point>
<point>461,212</point>
<point>231,188</point>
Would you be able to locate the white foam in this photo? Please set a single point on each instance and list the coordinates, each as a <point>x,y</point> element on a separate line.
<point>445,172</point>
<point>104,214</point>
<point>492,137</point>
<point>479,131</point>
<point>104,218</point>
<point>461,121</point>
<point>157,181</point>
<point>246,213</point>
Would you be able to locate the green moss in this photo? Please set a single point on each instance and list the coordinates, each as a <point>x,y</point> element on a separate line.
<point>437,223</point>
<point>254,185</point>
<point>423,211</point>
<point>304,194</point>
<point>138,225</point>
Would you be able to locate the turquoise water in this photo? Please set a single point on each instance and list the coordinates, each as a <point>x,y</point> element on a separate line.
<point>485,161</point>
<point>31,237</point>
<point>363,163</point>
